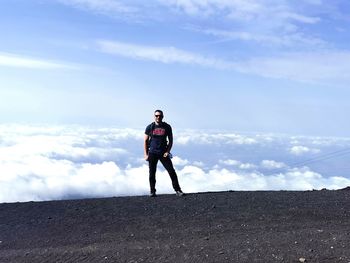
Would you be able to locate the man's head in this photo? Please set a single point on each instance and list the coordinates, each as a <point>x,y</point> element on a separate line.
<point>158,116</point>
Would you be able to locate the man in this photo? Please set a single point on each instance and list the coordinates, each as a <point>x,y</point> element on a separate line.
<point>157,145</point>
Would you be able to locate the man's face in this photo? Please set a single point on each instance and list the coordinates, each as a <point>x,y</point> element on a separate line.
<point>158,117</point>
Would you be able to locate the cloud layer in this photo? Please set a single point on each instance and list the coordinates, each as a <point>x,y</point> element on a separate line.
<point>47,163</point>
<point>11,60</point>
<point>303,67</point>
<point>106,7</point>
<point>165,55</point>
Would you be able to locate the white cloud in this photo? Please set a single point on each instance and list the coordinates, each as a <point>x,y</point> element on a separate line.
<point>238,164</point>
<point>46,163</point>
<point>106,7</point>
<point>304,67</point>
<point>242,10</point>
<point>300,18</point>
<point>187,137</point>
<point>271,16</point>
<point>266,23</point>
<point>223,180</point>
<point>238,9</point>
<point>273,19</point>
<point>165,55</point>
<point>230,162</point>
<point>11,60</point>
<point>288,39</point>
<point>271,164</point>
<point>177,161</point>
<point>247,166</point>
<point>314,2</point>
<point>300,150</point>
<point>198,163</point>
<point>45,179</point>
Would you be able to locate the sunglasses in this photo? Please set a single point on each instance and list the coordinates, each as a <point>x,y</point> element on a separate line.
<point>158,116</point>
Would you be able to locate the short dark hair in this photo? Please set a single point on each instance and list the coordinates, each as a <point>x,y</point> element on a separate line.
<point>161,112</point>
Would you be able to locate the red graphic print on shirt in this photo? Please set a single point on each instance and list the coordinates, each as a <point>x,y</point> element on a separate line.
<point>159,131</point>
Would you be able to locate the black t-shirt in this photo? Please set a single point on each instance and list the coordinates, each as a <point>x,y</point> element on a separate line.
<point>158,137</point>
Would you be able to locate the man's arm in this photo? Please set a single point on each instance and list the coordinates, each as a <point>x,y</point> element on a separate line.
<point>170,142</point>
<point>145,146</point>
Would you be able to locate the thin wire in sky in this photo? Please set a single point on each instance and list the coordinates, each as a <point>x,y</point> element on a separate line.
<point>323,157</point>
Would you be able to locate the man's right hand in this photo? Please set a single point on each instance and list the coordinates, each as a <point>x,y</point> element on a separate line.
<point>146,157</point>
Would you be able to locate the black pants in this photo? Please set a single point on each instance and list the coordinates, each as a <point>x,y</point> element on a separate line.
<point>168,165</point>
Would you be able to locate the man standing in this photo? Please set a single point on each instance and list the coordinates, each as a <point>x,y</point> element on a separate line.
<point>157,145</point>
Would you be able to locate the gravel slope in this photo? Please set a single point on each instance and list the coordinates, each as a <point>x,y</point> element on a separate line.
<point>281,226</point>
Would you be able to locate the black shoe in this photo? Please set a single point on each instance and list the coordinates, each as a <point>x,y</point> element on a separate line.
<point>152,195</point>
<point>179,193</point>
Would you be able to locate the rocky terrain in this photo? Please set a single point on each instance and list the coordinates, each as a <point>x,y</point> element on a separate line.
<point>276,226</point>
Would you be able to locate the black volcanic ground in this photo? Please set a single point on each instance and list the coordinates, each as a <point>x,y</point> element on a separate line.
<point>283,226</point>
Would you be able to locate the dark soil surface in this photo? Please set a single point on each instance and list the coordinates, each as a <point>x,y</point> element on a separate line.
<point>283,226</point>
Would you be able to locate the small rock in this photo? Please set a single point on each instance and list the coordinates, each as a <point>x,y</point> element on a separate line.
<point>302,259</point>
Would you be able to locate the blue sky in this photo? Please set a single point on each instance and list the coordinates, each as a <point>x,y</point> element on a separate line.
<point>257,92</point>
<point>265,66</point>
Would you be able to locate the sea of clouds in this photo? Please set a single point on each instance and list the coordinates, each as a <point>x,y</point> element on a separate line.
<point>65,162</point>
